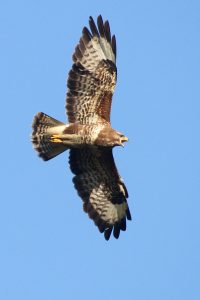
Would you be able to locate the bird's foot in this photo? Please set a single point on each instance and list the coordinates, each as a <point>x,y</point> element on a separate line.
<point>55,138</point>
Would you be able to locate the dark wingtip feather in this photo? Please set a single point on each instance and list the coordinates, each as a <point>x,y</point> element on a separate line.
<point>123,224</point>
<point>128,214</point>
<point>100,26</point>
<point>116,231</point>
<point>107,233</point>
<point>107,31</point>
<point>101,227</point>
<point>93,27</point>
<point>86,35</point>
<point>114,48</point>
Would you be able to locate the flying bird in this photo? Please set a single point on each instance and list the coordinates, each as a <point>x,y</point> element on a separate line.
<point>89,136</point>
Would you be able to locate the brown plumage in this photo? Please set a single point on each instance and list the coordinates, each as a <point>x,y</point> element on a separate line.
<point>89,134</point>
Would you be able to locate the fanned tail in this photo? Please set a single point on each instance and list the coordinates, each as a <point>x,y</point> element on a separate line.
<point>44,127</point>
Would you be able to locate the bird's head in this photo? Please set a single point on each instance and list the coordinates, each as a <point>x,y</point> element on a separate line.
<point>110,137</point>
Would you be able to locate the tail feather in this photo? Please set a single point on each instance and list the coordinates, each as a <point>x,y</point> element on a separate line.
<point>44,127</point>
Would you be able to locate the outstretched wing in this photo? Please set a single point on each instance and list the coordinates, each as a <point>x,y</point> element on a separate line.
<point>92,79</point>
<point>101,188</point>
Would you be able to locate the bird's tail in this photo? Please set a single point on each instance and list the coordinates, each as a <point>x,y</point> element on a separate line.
<point>44,127</point>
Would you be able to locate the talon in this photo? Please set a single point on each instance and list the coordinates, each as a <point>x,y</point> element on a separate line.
<point>55,138</point>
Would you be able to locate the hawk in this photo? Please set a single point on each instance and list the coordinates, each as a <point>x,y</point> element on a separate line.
<point>89,135</point>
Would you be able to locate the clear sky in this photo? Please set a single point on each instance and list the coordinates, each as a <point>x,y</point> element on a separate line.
<point>49,248</point>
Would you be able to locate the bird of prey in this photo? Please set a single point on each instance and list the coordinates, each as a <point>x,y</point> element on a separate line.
<point>89,135</point>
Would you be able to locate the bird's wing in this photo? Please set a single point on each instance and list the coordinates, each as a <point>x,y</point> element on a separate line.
<point>92,79</point>
<point>101,188</point>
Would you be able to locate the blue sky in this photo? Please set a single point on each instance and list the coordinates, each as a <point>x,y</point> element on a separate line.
<point>49,248</point>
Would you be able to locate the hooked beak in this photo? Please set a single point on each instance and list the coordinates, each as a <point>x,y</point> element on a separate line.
<point>123,139</point>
